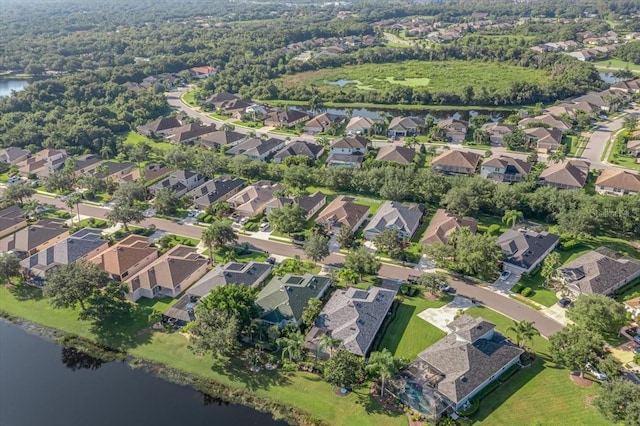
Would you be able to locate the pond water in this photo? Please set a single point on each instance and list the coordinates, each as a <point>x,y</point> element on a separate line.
<point>7,86</point>
<point>609,78</point>
<point>342,82</point>
<point>42,383</point>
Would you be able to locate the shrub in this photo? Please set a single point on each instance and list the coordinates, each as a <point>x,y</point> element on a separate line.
<point>569,244</point>
<point>493,229</point>
<point>475,404</point>
<point>526,292</point>
<point>517,288</point>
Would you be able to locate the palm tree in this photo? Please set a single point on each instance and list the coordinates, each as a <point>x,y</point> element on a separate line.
<point>328,342</point>
<point>218,233</point>
<point>291,345</point>
<point>31,209</point>
<point>383,364</point>
<point>511,217</point>
<point>74,200</point>
<point>524,331</point>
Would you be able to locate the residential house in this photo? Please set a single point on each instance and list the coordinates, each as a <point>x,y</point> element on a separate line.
<point>257,148</point>
<point>81,246</point>
<point>220,100</point>
<point>28,241</point>
<point>309,203</point>
<point>159,126</point>
<point>452,371</point>
<point>14,155</point>
<point>168,275</point>
<point>150,172</point>
<point>180,182</point>
<point>361,126</point>
<point>321,123</point>
<point>629,86</point>
<point>219,189</point>
<point>456,162</point>
<point>252,274</point>
<point>353,316</point>
<point>113,170</point>
<point>284,299</point>
<point>546,140</point>
<point>594,98</point>
<point>343,211</point>
<point>11,219</point>
<point>455,130</point>
<point>126,258</point>
<point>633,307</point>
<point>570,174</point>
<point>299,149</point>
<point>497,132</point>
<point>85,164</point>
<point>348,151</point>
<point>633,147</point>
<point>396,154</point>
<point>525,249</point>
<point>253,199</point>
<point>240,108</point>
<point>189,132</point>
<point>601,271</point>
<point>43,163</point>
<point>443,224</point>
<point>546,120</point>
<point>404,126</point>
<point>571,109</point>
<point>287,118</point>
<point>404,218</point>
<point>221,138</point>
<point>202,72</point>
<point>617,182</point>
<point>502,168</point>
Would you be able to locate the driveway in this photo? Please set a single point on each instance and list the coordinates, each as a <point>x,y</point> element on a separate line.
<point>504,286</point>
<point>440,317</point>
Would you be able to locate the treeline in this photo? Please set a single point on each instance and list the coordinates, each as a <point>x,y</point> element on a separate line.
<point>629,52</point>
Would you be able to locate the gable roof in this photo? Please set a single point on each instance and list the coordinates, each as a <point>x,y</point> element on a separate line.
<point>213,190</point>
<point>343,210</point>
<point>189,131</point>
<point>10,217</point>
<point>302,148</point>
<point>12,154</point>
<point>447,122</point>
<point>396,153</point>
<point>392,214</point>
<point>350,142</point>
<point>567,173</point>
<point>323,120</point>
<point>29,238</point>
<point>254,198</point>
<point>443,223</point>
<point>364,123</point>
<point>525,248</point>
<point>111,168</point>
<point>248,274</point>
<point>619,179</point>
<point>510,164</point>
<point>354,316</point>
<point>121,257</point>
<point>287,116</point>
<point>84,161</point>
<point>221,98</point>
<point>457,159</point>
<point>548,119</point>
<point>306,202</point>
<point>633,145</point>
<point>285,298</point>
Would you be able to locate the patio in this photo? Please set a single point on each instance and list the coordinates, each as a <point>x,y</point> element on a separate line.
<point>441,317</point>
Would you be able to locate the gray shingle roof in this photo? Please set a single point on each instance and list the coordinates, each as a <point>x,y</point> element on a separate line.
<point>221,138</point>
<point>255,146</point>
<point>302,148</point>
<point>524,248</point>
<point>396,154</point>
<point>31,237</point>
<point>395,215</point>
<point>247,274</point>
<point>212,190</point>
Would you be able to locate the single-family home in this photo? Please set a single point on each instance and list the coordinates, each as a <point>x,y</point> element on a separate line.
<point>149,172</point>
<point>617,182</point>
<point>404,218</point>
<point>565,175</point>
<point>86,164</point>
<point>251,274</point>
<point>126,258</point>
<point>220,100</point>
<point>633,147</point>
<point>11,219</point>
<point>633,307</point>
<point>257,148</point>
<point>221,138</point>
<point>309,203</point>
<point>452,371</point>
<point>180,182</point>
<point>240,109</point>
<point>453,162</point>
<point>81,246</point>
<point>455,130</point>
<point>14,155</point>
<point>253,199</point>
<point>284,299</point>
<point>343,211</point>
<point>348,151</point>
<point>600,271</point>
<point>545,120</point>
<point>497,131</point>
<point>287,118</point>
<point>353,316</point>
<point>43,163</point>
<point>502,168</point>
<point>361,126</point>
<point>299,149</point>
<point>443,224</point>
<point>322,122</point>
<point>525,249</point>
<point>404,126</point>
<point>189,132</point>
<point>202,72</point>
<point>32,239</point>
<point>396,154</point>
<point>113,170</point>
<point>159,126</point>
<point>629,86</point>
<point>594,98</point>
<point>168,275</point>
<point>546,140</point>
<point>219,189</point>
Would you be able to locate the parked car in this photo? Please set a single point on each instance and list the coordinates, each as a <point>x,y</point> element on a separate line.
<point>264,226</point>
<point>565,302</point>
<point>243,221</point>
<point>636,338</point>
<point>505,275</point>
<point>447,289</point>
<point>637,350</point>
<point>595,373</point>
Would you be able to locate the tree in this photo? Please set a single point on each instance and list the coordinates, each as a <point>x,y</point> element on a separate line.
<point>524,331</point>
<point>348,276</point>
<point>233,300</point>
<point>598,313</point>
<point>511,217</point>
<point>291,345</point>
<point>18,192</point>
<point>107,305</point>
<point>619,401</point>
<point>166,202</point>
<point>311,311</point>
<point>9,266</point>
<point>362,262</point>
<point>575,347</point>
<point>68,285</point>
<point>316,247</point>
<point>432,282</point>
<point>630,122</point>
<point>214,332</point>
<point>218,234</point>
<point>389,240</point>
<point>289,218</point>
<point>345,238</point>
<point>328,342</point>
<point>74,199</point>
<point>477,254</point>
<point>610,366</point>
<point>344,369</point>
<point>383,365</point>
<point>550,266</point>
<point>128,193</point>
<point>125,214</point>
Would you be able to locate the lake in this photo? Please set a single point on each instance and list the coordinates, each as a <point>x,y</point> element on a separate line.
<point>42,383</point>
<point>7,86</point>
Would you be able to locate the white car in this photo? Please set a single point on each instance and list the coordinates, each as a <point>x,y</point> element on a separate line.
<point>505,275</point>
<point>264,226</point>
<point>243,221</point>
<point>595,373</point>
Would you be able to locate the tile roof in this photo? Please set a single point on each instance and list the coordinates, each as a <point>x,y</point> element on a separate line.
<point>619,179</point>
<point>324,120</point>
<point>525,248</point>
<point>393,214</point>
<point>363,123</point>
<point>443,223</point>
<point>343,210</point>
<point>570,173</point>
<point>396,153</point>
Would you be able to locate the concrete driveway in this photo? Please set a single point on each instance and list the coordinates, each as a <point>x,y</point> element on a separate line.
<point>504,286</point>
<point>440,317</point>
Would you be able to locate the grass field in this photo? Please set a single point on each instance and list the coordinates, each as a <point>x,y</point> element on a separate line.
<point>617,63</point>
<point>135,138</point>
<point>451,76</point>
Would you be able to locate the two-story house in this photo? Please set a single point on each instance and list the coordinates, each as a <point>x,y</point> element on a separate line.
<point>502,168</point>
<point>404,218</point>
<point>348,151</point>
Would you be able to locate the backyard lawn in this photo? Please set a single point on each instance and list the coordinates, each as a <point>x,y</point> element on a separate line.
<point>135,138</point>
<point>617,63</point>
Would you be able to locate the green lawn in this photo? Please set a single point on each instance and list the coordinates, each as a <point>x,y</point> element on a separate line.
<point>135,138</point>
<point>404,107</point>
<point>374,205</point>
<point>189,97</point>
<point>617,63</point>
<point>219,116</point>
<point>407,334</point>
<point>249,124</point>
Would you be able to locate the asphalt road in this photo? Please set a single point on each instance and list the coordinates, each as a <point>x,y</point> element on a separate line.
<point>490,299</point>
<point>598,141</point>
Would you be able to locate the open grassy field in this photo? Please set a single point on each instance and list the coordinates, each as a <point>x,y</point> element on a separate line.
<point>135,138</point>
<point>451,76</point>
<point>617,63</point>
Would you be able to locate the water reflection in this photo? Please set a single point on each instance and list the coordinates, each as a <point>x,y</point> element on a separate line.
<point>75,360</point>
<point>212,400</point>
